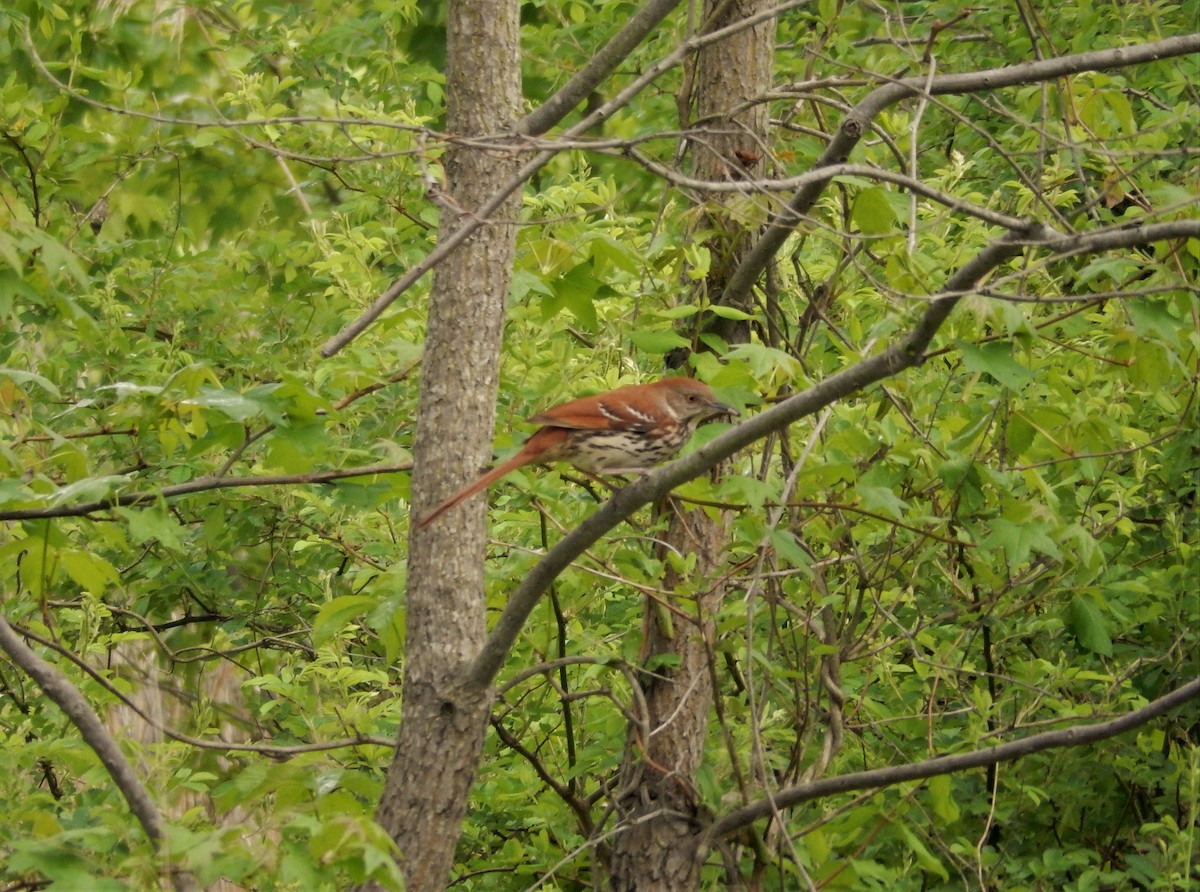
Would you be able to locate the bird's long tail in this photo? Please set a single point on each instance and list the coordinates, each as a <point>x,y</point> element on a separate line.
<point>521,458</point>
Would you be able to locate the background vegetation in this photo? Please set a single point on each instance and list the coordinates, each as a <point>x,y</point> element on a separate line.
<point>206,523</point>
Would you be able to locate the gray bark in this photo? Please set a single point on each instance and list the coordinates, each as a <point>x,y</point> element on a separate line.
<point>444,720</point>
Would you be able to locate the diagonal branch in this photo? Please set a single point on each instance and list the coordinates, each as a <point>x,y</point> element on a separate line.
<point>600,66</point>
<point>58,688</point>
<point>824,175</point>
<point>263,749</point>
<point>1005,752</point>
<point>904,353</point>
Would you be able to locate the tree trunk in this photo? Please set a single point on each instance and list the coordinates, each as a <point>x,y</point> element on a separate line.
<point>441,736</point>
<point>657,799</point>
<point>657,793</point>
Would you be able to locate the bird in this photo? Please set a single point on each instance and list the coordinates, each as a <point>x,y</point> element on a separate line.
<point>621,431</point>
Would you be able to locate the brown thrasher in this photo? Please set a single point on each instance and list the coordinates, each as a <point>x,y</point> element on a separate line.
<point>622,431</point>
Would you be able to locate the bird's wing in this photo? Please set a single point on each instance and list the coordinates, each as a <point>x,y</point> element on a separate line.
<point>616,410</point>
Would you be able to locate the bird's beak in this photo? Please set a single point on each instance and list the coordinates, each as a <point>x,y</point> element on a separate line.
<point>720,410</point>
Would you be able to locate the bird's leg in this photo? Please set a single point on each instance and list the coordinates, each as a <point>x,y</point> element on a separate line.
<point>587,480</point>
<point>626,476</point>
<point>621,476</point>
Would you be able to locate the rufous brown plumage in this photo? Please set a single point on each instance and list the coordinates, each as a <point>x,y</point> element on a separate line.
<point>626,430</point>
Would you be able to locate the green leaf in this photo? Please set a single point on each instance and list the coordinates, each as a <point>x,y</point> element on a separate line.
<point>335,615</point>
<point>1089,626</point>
<point>57,259</point>
<point>790,552</point>
<point>941,794</point>
<point>1154,317</point>
<point>90,489</point>
<point>925,858</point>
<point>60,861</point>
<point>93,573</point>
<point>699,260</point>
<point>873,211</point>
<point>22,377</point>
<point>228,402</point>
<point>766,362</point>
<point>153,524</point>
<point>576,291</point>
<point>657,341</point>
<point>14,491</point>
<point>1020,540</point>
<point>681,312</point>
<point>961,475</point>
<point>816,842</point>
<point>1122,110</point>
<point>612,251</point>
<point>882,500</point>
<point>729,312</point>
<point>996,359</point>
<point>388,618</point>
<point>1115,269</point>
<point>1019,435</point>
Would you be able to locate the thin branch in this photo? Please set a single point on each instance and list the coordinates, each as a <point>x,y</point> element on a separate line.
<point>826,174</point>
<point>200,484</point>
<point>36,210</point>
<point>904,353</point>
<point>578,806</point>
<point>1005,752</point>
<point>378,385</point>
<point>240,450</point>
<point>201,123</point>
<point>82,435</point>
<point>780,226</point>
<point>58,688</point>
<point>547,668</point>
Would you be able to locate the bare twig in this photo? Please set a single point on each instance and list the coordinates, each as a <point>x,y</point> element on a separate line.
<point>826,174</point>
<point>262,749</point>
<point>780,226</point>
<point>600,66</point>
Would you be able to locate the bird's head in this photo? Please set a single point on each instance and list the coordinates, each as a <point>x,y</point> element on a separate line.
<point>689,400</point>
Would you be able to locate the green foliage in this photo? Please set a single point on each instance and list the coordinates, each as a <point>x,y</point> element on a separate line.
<point>1001,541</point>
